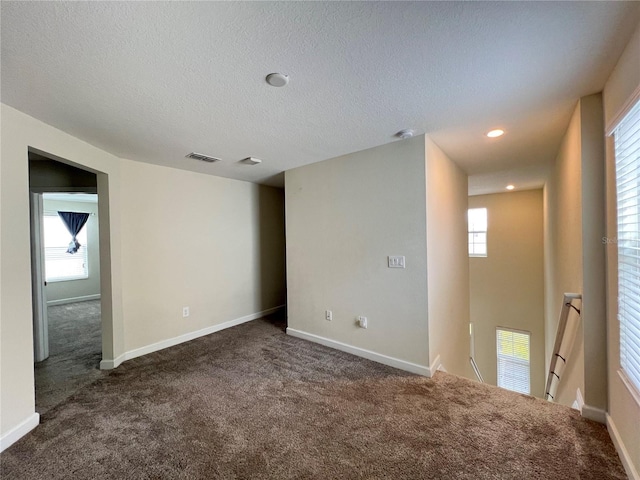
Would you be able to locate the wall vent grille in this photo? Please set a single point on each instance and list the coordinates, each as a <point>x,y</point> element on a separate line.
<point>202,158</point>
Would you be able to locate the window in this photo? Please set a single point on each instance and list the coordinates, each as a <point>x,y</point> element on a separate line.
<point>513,360</point>
<point>627,153</point>
<point>60,265</point>
<point>477,218</point>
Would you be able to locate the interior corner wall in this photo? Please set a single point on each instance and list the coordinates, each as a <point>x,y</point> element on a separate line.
<point>563,252</point>
<point>344,216</point>
<point>77,290</point>
<point>507,286</point>
<point>593,310</point>
<point>447,261</point>
<point>621,90</point>
<point>212,244</point>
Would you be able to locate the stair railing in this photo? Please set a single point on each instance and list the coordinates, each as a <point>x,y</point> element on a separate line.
<point>476,369</point>
<point>563,344</point>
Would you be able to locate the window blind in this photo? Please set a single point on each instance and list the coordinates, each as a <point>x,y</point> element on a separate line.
<point>513,349</point>
<point>627,153</point>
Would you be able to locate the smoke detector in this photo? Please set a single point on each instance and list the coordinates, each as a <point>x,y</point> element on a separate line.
<point>202,158</point>
<point>406,133</point>
<point>277,79</point>
<point>251,161</point>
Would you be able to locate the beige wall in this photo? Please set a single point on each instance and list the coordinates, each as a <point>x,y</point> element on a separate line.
<point>173,239</point>
<point>447,265</point>
<point>593,310</point>
<point>507,286</point>
<point>344,217</point>
<point>74,289</point>
<point>574,261</point>
<point>622,87</point>
<point>563,251</point>
<point>19,132</point>
<point>209,243</point>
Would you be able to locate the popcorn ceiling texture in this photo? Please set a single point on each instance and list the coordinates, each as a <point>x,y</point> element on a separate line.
<point>152,81</point>
<point>252,402</point>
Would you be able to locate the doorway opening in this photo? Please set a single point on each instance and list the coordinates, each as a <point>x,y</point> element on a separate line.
<point>66,284</point>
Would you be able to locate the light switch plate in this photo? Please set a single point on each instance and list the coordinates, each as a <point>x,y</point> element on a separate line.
<point>396,261</point>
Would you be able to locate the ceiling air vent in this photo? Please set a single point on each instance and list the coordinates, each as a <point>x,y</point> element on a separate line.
<point>201,157</point>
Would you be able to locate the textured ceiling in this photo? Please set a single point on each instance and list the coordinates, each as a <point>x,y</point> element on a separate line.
<point>153,81</point>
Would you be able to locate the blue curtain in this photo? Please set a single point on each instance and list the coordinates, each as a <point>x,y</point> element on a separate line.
<point>74,222</point>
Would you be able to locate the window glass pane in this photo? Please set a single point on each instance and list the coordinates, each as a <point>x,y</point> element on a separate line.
<point>477,220</point>
<point>60,265</point>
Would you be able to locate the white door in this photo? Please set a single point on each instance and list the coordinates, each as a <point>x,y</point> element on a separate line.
<point>38,283</point>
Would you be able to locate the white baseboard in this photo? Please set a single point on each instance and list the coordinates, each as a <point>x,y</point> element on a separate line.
<point>361,352</point>
<point>594,413</point>
<point>19,431</point>
<point>632,473</point>
<point>578,403</point>
<point>64,301</point>
<point>171,342</point>
<point>436,365</point>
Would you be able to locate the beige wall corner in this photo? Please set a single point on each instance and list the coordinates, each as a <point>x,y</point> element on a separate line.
<point>344,217</point>
<point>507,286</point>
<point>563,251</point>
<point>593,254</point>
<point>20,133</point>
<point>447,261</point>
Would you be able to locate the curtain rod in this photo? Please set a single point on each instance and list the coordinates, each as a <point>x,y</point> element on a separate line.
<point>55,212</point>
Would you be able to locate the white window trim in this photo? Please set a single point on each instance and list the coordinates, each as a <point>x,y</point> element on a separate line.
<point>485,231</point>
<point>84,251</point>
<point>631,383</point>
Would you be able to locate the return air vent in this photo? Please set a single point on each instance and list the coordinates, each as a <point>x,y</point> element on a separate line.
<point>201,157</point>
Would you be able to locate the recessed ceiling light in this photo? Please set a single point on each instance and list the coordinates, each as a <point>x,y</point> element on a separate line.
<point>406,133</point>
<point>277,79</point>
<point>251,161</point>
<point>510,187</point>
<point>495,133</point>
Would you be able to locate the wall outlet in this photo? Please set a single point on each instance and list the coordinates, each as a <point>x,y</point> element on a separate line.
<point>396,261</point>
<point>328,315</point>
<point>185,312</point>
<point>362,322</point>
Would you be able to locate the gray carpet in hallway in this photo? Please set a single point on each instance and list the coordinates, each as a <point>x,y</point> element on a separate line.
<point>252,402</point>
<point>75,351</point>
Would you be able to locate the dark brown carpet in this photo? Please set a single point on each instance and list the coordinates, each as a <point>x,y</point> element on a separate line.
<point>75,351</point>
<point>252,402</point>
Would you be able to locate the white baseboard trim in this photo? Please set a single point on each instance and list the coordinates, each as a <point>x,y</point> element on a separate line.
<point>19,431</point>
<point>632,473</point>
<point>578,403</point>
<point>64,301</point>
<point>436,365</point>
<point>594,413</point>
<point>171,342</point>
<point>361,352</point>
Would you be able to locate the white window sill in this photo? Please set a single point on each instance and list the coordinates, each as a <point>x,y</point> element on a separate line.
<point>633,390</point>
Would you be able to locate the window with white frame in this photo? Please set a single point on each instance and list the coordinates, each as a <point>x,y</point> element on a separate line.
<point>514,369</point>
<point>627,155</point>
<point>60,265</point>
<point>477,221</point>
